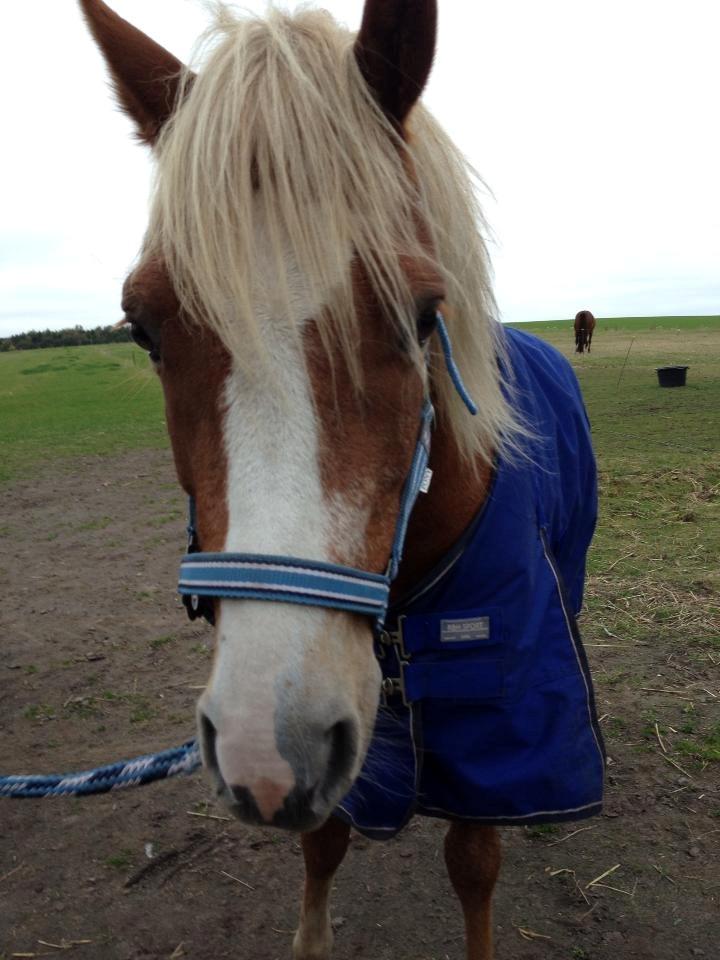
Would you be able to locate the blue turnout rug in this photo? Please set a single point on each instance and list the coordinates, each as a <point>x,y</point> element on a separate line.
<point>494,719</point>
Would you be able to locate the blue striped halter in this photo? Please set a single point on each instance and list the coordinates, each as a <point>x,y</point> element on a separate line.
<point>248,576</point>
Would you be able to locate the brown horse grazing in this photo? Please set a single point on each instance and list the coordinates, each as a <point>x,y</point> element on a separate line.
<point>309,220</point>
<point>584,326</point>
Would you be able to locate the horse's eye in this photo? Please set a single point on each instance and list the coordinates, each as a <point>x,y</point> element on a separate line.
<point>140,336</point>
<point>426,322</point>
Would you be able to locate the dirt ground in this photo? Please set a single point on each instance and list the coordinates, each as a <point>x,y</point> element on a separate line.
<point>100,663</point>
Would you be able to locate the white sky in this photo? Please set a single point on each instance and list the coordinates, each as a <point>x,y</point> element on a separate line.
<point>594,123</point>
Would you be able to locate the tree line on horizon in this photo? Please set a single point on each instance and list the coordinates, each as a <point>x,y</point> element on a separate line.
<point>70,337</point>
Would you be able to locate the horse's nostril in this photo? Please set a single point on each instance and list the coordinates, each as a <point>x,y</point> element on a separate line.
<point>208,741</point>
<point>342,742</point>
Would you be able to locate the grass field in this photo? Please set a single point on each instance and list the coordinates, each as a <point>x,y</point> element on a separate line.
<point>61,402</point>
<point>625,324</point>
<point>65,401</point>
<point>654,577</point>
<point>657,448</point>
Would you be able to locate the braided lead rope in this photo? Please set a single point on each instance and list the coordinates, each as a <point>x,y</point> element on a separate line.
<point>113,776</point>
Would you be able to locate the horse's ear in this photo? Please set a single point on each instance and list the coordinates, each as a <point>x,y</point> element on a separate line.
<point>395,49</point>
<point>146,77</point>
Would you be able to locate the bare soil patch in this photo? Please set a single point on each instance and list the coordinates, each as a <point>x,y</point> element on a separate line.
<point>100,663</point>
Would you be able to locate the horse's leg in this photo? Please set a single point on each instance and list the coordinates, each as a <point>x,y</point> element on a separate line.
<point>472,855</point>
<point>323,850</point>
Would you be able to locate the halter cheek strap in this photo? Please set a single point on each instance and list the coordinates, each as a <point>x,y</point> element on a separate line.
<point>245,576</point>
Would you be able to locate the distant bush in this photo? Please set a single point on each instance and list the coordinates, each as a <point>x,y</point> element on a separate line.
<point>71,337</point>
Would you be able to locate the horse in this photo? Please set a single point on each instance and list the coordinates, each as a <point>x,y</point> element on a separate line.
<point>385,530</point>
<point>584,326</point>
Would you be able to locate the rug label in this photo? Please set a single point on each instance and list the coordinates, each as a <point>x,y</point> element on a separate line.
<point>457,631</point>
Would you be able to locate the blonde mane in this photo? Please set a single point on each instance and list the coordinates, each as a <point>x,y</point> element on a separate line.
<point>279,132</point>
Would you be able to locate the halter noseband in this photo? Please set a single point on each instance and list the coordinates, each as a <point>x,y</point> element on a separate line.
<point>248,576</point>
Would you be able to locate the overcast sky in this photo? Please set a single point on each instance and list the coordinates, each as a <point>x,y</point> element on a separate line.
<point>595,125</point>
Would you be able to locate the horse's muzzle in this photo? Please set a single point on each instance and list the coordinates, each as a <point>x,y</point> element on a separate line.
<point>319,764</point>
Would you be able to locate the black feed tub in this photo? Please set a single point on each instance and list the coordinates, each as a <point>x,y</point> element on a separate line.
<point>671,376</point>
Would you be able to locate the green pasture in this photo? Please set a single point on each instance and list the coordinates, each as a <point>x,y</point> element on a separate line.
<point>653,594</point>
<point>62,402</point>
<point>658,452</point>
<point>605,325</point>
<point>658,446</point>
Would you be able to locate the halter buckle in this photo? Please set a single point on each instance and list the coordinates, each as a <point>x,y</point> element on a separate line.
<point>393,687</point>
<point>198,608</point>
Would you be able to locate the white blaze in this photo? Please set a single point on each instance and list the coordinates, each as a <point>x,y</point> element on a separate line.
<point>273,673</point>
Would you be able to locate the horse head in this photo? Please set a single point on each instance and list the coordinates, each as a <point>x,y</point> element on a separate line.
<point>287,292</point>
